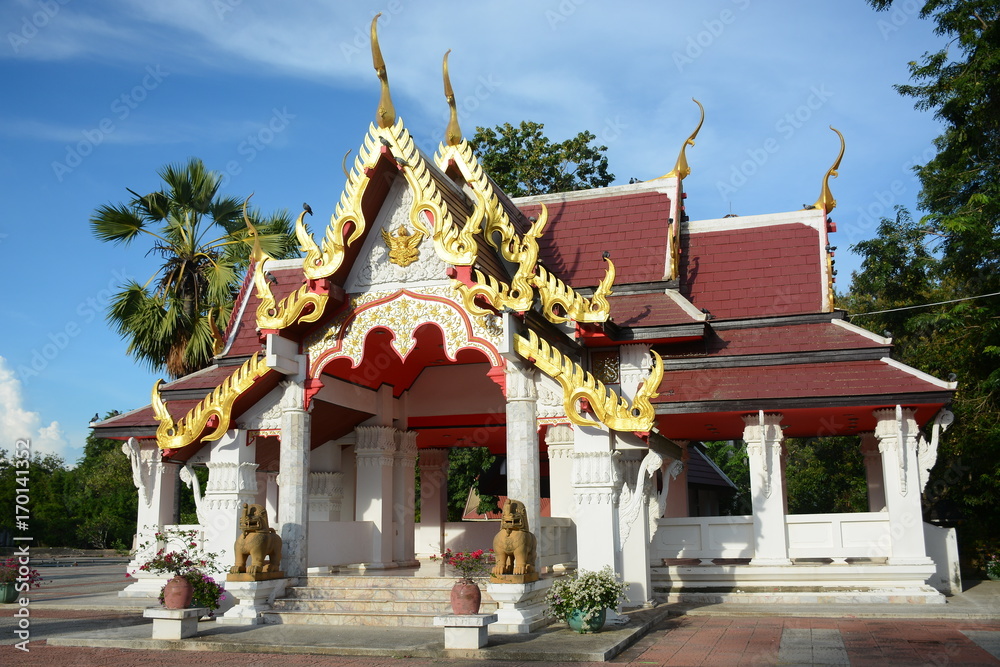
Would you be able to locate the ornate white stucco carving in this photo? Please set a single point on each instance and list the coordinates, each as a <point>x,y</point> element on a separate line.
<point>375,446</point>
<point>927,450</point>
<point>894,427</point>
<point>521,381</point>
<point>594,469</point>
<point>374,267</point>
<point>658,501</point>
<point>550,398</point>
<point>326,492</point>
<point>144,467</point>
<point>404,312</point>
<point>636,496</point>
<point>559,439</point>
<point>265,416</point>
<point>634,364</point>
<point>436,458</point>
<point>191,481</point>
<point>763,435</point>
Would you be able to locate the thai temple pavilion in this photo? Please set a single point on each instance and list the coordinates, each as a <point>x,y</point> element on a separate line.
<point>590,338</point>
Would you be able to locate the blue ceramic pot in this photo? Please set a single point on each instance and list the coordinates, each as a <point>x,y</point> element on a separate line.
<point>579,622</point>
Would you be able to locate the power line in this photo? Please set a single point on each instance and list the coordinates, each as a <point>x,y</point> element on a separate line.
<point>923,305</point>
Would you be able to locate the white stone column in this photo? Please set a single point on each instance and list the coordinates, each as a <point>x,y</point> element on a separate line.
<point>523,475</point>
<point>404,495</point>
<point>433,500</point>
<point>897,433</point>
<point>271,498</point>
<point>595,488</point>
<point>374,453</point>
<point>559,439</point>
<point>638,469</point>
<point>326,490</point>
<point>873,472</point>
<point>232,481</point>
<point>764,446</point>
<point>293,478</point>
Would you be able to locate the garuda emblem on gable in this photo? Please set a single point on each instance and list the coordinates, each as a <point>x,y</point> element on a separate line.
<point>402,245</point>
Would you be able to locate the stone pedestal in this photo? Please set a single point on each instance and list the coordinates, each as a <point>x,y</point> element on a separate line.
<point>465,631</point>
<point>521,606</point>
<point>174,623</point>
<point>252,597</point>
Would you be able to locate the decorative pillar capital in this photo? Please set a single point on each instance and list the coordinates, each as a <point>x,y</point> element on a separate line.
<point>434,458</point>
<point>762,429</point>
<point>869,444</point>
<point>406,448</point>
<point>521,382</point>
<point>376,445</point>
<point>559,436</point>
<point>596,477</point>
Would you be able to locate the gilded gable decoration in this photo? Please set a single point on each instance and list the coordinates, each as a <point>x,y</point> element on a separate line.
<point>214,411</point>
<point>681,169</point>
<point>826,200</point>
<point>402,245</point>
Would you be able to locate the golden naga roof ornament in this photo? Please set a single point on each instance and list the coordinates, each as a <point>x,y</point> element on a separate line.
<point>385,116</point>
<point>610,409</point>
<point>826,200</point>
<point>681,169</point>
<point>453,133</point>
<point>215,411</point>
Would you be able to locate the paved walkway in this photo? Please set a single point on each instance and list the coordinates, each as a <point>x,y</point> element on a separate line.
<point>77,619</point>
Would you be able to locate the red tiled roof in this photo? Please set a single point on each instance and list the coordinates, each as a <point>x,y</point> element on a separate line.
<point>633,228</point>
<point>774,340</point>
<point>207,378</point>
<point>647,310</point>
<point>793,381</point>
<point>144,416</point>
<point>247,342</point>
<point>754,272</point>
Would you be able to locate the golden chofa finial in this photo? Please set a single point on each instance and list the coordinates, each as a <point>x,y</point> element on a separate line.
<point>385,116</point>
<point>681,170</point>
<point>826,200</point>
<point>453,133</point>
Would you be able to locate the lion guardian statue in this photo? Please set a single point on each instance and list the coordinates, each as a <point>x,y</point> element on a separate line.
<point>258,541</point>
<point>514,546</point>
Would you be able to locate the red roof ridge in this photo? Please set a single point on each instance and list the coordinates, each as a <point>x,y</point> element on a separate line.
<point>920,375</point>
<point>811,217</point>
<point>668,186</point>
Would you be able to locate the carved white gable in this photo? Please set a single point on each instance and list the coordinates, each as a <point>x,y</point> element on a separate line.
<point>265,414</point>
<point>373,268</point>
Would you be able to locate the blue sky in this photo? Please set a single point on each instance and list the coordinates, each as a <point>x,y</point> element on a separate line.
<point>100,94</point>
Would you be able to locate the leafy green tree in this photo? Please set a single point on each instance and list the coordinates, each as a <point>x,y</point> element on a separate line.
<point>731,457</point>
<point>825,475</point>
<point>105,503</point>
<point>465,465</point>
<point>523,161</point>
<point>960,195</point>
<point>204,244</point>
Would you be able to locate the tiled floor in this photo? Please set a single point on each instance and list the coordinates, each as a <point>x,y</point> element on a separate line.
<point>693,640</point>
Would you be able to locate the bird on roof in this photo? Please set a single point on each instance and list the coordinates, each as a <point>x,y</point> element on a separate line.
<point>402,162</point>
<point>307,208</point>
<point>385,142</point>
<point>95,418</point>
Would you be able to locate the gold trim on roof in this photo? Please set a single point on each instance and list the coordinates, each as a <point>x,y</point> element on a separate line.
<point>453,133</point>
<point>826,200</point>
<point>218,404</point>
<point>293,308</point>
<point>499,232</point>
<point>610,409</point>
<point>681,169</point>
<point>385,115</point>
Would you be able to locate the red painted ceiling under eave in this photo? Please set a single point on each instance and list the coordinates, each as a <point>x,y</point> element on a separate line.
<point>800,422</point>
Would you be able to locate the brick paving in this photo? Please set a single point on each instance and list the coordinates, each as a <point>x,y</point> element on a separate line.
<point>685,640</point>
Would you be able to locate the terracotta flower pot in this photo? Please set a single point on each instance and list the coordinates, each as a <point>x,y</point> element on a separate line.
<point>465,598</point>
<point>177,593</point>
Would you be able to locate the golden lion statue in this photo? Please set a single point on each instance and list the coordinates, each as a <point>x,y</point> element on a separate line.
<point>514,546</point>
<point>258,541</point>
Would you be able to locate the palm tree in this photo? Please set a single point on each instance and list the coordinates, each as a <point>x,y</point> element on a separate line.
<point>205,245</point>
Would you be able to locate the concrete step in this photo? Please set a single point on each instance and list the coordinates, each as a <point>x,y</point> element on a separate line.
<point>366,599</point>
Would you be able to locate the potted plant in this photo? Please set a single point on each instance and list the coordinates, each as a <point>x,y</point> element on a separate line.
<point>191,584</point>
<point>16,578</point>
<point>582,599</point>
<point>993,566</point>
<point>465,594</point>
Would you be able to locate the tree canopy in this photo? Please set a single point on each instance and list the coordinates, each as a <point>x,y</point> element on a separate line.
<point>205,244</point>
<point>523,161</point>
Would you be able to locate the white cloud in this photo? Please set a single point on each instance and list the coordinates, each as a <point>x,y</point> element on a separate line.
<point>16,423</point>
